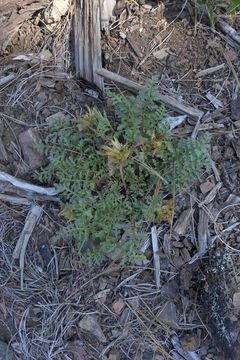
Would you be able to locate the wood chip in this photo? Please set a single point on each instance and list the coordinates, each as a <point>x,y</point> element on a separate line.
<point>156,257</point>
<point>180,226</point>
<point>203,235</point>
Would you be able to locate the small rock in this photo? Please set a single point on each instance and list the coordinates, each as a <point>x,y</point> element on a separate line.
<point>236,300</point>
<point>235,109</point>
<point>206,187</point>
<point>46,55</point>
<point>53,13</point>
<point>237,124</point>
<point>170,290</point>
<point>147,7</point>
<point>76,350</point>
<point>101,296</point>
<point>27,140</point>
<point>147,355</point>
<point>89,323</point>
<point>122,35</point>
<point>168,314</point>
<point>189,342</point>
<point>92,93</point>
<point>6,353</point>
<point>115,333</point>
<point>114,355</point>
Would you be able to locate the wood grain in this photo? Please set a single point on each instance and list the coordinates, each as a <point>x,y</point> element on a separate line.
<point>87,41</point>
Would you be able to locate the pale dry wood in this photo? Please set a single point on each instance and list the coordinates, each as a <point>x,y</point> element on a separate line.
<point>231,200</point>
<point>175,121</point>
<point>228,30</point>
<point>203,236</point>
<point>210,70</point>
<point>134,87</point>
<point>15,200</point>
<point>30,222</point>
<point>106,10</point>
<point>156,257</point>
<point>13,13</point>
<point>211,195</point>
<point>87,41</point>
<point>215,171</point>
<point>5,79</point>
<point>26,186</point>
<point>180,226</point>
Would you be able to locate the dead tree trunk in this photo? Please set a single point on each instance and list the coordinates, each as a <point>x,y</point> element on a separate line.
<point>12,14</point>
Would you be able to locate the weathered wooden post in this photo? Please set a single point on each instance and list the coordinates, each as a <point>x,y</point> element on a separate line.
<point>87,41</point>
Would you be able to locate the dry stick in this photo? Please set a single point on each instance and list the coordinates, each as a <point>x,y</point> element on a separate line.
<point>169,101</point>
<point>31,220</point>
<point>210,70</point>
<point>5,79</point>
<point>228,30</point>
<point>156,258</point>
<point>15,200</point>
<point>26,186</point>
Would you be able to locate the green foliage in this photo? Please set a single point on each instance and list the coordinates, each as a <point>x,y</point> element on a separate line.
<point>111,178</point>
<point>221,7</point>
<point>233,7</point>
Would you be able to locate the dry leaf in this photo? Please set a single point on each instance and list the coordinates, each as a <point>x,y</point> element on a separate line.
<point>118,306</point>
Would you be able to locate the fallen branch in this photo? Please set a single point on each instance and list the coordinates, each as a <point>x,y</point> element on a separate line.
<point>5,79</point>
<point>32,218</point>
<point>210,70</point>
<point>228,30</point>
<point>15,200</point>
<point>26,186</point>
<point>169,101</point>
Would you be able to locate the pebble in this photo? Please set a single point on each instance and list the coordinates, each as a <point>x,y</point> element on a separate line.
<point>27,140</point>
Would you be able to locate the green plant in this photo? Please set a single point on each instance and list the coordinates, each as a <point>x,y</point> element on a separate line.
<point>215,8</point>
<point>112,178</point>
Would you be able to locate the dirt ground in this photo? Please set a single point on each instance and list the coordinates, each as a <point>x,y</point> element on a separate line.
<point>65,311</point>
